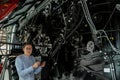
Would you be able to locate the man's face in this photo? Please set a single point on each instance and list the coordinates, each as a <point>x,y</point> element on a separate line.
<point>27,50</point>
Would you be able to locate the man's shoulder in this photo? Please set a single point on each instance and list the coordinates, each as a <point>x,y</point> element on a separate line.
<point>19,60</point>
<point>20,56</point>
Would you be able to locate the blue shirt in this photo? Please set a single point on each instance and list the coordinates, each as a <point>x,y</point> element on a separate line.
<point>24,67</point>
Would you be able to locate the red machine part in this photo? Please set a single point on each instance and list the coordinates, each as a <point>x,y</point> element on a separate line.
<point>7,7</point>
<point>0,67</point>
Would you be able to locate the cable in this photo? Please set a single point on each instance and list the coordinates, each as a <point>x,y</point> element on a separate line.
<point>109,18</point>
<point>114,49</point>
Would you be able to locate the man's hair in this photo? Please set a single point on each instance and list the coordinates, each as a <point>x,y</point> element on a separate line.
<point>25,44</point>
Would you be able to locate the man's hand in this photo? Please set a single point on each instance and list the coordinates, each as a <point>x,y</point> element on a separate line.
<point>36,65</point>
<point>43,64</point>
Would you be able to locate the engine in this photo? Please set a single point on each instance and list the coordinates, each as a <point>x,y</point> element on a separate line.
<point>79,39</point>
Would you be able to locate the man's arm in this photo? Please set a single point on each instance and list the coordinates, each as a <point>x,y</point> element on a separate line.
<point>20,70</point>
<point>37,70</point>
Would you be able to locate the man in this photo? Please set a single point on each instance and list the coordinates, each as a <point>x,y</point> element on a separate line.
<point>26,65</point>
